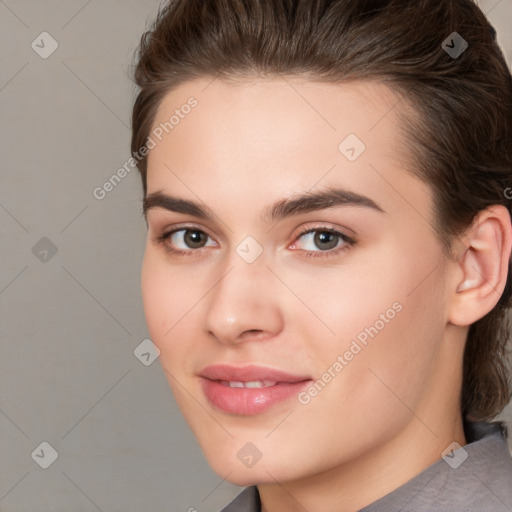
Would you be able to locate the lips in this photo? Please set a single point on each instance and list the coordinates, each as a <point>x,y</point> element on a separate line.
<point>249,389</point>
<point>249,373</point>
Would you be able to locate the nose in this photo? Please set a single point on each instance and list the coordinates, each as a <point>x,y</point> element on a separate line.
<point>244,304</point>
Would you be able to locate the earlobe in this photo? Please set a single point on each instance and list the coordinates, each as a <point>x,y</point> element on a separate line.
<point>484,263</point>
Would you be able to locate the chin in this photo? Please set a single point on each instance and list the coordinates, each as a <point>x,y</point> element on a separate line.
<point>233,470</point>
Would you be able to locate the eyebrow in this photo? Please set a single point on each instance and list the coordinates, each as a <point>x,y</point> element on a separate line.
<point>295,205</point>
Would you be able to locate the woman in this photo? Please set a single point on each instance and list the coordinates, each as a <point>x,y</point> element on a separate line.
<point>327,270</point>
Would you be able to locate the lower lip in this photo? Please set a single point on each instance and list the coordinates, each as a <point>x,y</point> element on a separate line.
<point>249,401</point>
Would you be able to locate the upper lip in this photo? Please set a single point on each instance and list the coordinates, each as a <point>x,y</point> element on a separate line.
<point>248,373</point>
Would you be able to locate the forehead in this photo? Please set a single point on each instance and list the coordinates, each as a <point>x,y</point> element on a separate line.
<point>286,109</point>
<point>273,137</point>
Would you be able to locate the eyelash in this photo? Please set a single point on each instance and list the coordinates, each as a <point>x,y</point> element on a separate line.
<point>348,242</point>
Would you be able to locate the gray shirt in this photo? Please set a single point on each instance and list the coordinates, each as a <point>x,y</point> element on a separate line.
<point>477,478</point>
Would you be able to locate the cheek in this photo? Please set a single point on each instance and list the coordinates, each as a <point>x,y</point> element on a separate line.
<point>372,397</point>
<point>390,373</point>
<point>165,302</point>
<point>154,297</point>
<point>338,303</point>
<point>164,297</point>
<point>386,328</point>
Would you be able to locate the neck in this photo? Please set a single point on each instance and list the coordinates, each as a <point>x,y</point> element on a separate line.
<point>360,482</point>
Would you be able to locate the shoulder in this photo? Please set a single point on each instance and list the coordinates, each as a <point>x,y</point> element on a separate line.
<point>476,477</point>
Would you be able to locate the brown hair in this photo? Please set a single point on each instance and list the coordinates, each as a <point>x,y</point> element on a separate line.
<point>462,144</point>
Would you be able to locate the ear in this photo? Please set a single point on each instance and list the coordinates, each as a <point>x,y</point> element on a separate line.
<point>481,266</point>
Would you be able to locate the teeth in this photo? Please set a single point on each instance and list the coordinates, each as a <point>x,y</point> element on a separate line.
<point>249,384</point>
<point>259,384</point>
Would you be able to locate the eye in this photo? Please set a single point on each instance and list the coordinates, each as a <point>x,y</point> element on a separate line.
<point>185,240</point>
<point>322,240</point>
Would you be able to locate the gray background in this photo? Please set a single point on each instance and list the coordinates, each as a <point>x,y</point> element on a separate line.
<point>70,321</point>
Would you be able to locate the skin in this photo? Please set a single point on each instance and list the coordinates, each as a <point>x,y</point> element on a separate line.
<point>394,407</point>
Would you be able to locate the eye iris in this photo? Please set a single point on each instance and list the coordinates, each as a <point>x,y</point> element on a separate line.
<point>325,240</point>
<point>194,239</point>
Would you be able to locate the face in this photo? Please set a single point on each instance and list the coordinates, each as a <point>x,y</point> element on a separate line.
<point>292,279</point>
